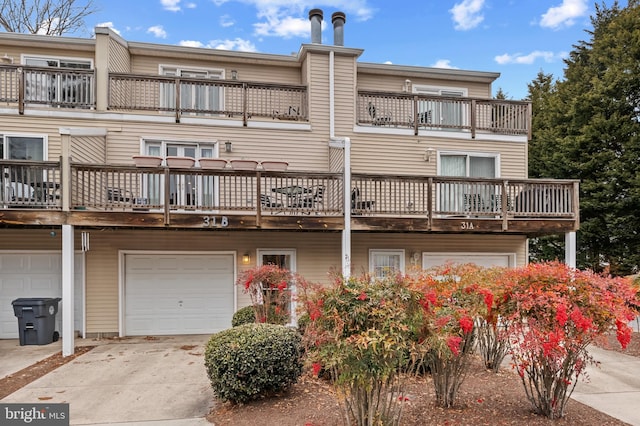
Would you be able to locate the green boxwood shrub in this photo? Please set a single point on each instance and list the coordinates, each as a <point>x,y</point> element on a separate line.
<point>251,360</point>
<point>246,315</point>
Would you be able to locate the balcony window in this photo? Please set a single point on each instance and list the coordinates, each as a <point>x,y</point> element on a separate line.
<point>465,197</point>
<point>195,97</point>
<point>446,113</point>
<point>58,88</point>
<point>13,147</point>
<point>185,189</point>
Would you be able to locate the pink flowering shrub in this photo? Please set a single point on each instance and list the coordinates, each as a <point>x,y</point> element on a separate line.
<point>554,313</point>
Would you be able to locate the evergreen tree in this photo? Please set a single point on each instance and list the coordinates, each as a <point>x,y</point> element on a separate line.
<point>591,132</point>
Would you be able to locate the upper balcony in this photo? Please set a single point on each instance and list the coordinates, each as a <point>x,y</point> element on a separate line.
<point>33,193</point>
<point>25,87</point>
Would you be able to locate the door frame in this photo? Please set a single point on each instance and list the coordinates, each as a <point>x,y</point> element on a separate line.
<point>290,252</point>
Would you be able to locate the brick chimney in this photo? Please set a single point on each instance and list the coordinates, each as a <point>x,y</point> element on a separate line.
<point>315,16</point>
<point>338,19</point>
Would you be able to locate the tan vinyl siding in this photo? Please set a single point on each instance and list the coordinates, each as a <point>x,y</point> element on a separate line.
<point>119,60</point>
<point>88,150</point>
<point>303,150</point>
<point>345,94</point>
<point>35,127</point>
<point>380,83</point>
<point>394,154</point>
<point>262,73</point>
<point>315,256</point>
<point>434,243</point>
<point>319,92</point>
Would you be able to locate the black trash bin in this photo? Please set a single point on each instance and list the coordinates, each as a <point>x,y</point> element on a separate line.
<point>36,319</point>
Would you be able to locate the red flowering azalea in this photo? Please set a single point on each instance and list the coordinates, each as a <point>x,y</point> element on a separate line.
<point>488,297</point>
<point>316,368</point>
<point>453,342</point>
<point>561,315</point>
<point>623,333</point>
<point>363,296</point>
<point>466,324</point>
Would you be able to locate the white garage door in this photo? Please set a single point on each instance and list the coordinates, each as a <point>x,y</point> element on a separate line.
<point>35,275</point>
<point>486,260</point>
<point>178,293</point>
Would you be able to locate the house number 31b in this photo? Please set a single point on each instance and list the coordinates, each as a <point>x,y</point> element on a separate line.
<point>214,222</point>
<point>466,225</point>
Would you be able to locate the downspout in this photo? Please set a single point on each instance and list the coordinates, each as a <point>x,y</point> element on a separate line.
<point>346,149</point>
<point>346,233</point>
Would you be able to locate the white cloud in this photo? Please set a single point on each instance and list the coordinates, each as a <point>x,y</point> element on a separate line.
<point>444,63</point>
<point>226,21</point>
<point>190,5</point>
<point>171,5</point>
<point>467,14</point>
<point>287,18</point>
<point>108,25</point>
<point>528,59</point>
<point>190,43</point>
<point>158,31</point>
<point>283,27</point>
<point>219,2</point>
<point>235,44</point>
<point>564,15</point>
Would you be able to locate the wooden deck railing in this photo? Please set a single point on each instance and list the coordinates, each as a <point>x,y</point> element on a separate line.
<point>443,113</point>
<point>56,87</point>
<point>207,97</point>
<point>29,184</point>
<point>439,196</point>
<point>198,190</point>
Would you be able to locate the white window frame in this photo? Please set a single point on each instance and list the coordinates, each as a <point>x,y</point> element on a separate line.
<point>53,88</point>
<point>162,143</point>
<point>453,198</point>
<point>435,111</point>
<point>177,70</point>
<point>5,143</point>
<point>386,252</point>
<point>286,252</point>
<point>24,57</point>
<point>495,155</point>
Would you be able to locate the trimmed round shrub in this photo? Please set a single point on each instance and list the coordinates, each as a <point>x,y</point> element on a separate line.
<point>246,315</point>
<point>251,360</point>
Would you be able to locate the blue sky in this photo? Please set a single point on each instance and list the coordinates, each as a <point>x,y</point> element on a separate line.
<point>517,38</point>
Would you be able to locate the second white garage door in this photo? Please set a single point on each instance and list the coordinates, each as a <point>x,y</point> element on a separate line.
<point>178,293</point>
<point>485,260</point>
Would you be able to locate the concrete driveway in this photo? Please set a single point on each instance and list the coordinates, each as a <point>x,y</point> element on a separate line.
<point>132,380</point>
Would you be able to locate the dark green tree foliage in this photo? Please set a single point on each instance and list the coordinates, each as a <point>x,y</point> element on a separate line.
<point>587,127</point>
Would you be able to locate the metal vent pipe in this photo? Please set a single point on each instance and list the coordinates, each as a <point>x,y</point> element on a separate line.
<point>315,16</point>
<point>338,19</point>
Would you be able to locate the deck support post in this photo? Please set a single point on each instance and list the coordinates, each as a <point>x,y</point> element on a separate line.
<point>68,280</point>
<point>570,249</point>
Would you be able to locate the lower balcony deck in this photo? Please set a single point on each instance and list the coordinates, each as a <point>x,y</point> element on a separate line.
<point>33,194</point>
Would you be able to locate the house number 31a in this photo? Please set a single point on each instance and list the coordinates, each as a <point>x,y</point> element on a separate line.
<point>466,225</point>
<point>214,222</point>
